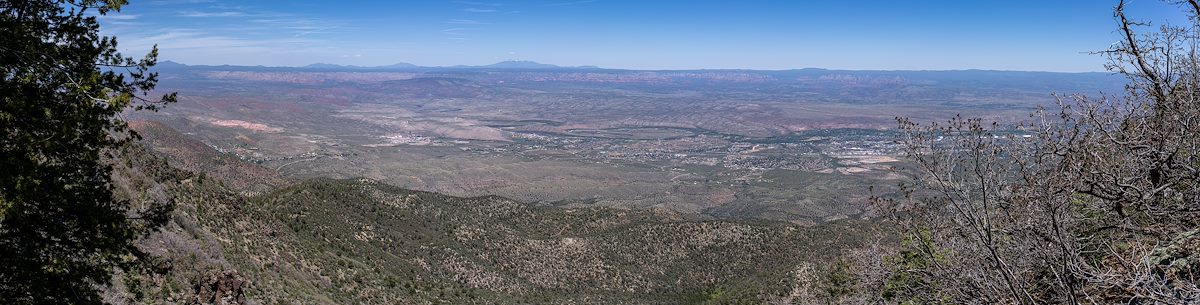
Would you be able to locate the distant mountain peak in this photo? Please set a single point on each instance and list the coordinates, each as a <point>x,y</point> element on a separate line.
<point>400,65</point>
<point>168,63</point>
<point>521,64</point>
<point>322,65</point>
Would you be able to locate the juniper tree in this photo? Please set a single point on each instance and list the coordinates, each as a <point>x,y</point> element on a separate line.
<point>64,87</point>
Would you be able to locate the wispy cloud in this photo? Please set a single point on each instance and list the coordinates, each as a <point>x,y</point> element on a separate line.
<point>455,31</point>
<point>237,32</point>
<point>493,4</point>
<point>464,21</point>
<point>197,40</point>
<point>295,26</point>
<point>117,17</point>
<point>212,14</point>
<point>312,30</point>
<point>572,3</point>
<point>479,10</point>
<point>176,2</point>
<point>123,24</point>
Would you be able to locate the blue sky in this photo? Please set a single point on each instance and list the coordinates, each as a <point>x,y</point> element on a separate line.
<point>1032,35</point>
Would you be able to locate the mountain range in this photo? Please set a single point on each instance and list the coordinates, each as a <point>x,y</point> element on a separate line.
<point>533,65</point>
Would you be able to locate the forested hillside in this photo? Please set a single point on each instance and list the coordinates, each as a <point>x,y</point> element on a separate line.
<point>348,241</point>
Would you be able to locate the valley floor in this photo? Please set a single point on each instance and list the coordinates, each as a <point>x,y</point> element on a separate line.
<point>241,232</point>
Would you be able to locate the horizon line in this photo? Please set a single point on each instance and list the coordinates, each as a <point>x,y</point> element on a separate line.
<point>554,66</point>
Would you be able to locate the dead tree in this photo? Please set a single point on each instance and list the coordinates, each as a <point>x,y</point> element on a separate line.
<point>1097,201</point>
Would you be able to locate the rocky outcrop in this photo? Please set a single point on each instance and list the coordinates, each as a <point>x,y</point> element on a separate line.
<point>220,288</point>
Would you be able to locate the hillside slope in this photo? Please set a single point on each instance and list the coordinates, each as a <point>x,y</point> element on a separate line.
<point>188,154</point>
<point>326,241</point>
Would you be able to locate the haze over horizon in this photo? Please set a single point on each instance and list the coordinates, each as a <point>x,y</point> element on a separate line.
<point>529,64</point>
<point>761,35</point>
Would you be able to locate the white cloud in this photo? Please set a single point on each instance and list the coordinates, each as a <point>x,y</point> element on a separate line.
<point>571,3</point>
<point>176,2</point>
<point>117,17</point>
<point>296,27</point>
<point>480,3</point>
<point>212,14</point>
<point>455,31</point>
<point>191,41</point>
<point>463,21</point>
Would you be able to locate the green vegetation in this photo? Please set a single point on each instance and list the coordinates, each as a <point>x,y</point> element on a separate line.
<point>335,241</point>
<point>370,236</point>
<point>1095,204</point>
<point>917,252</point>
<point>62,87</point>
